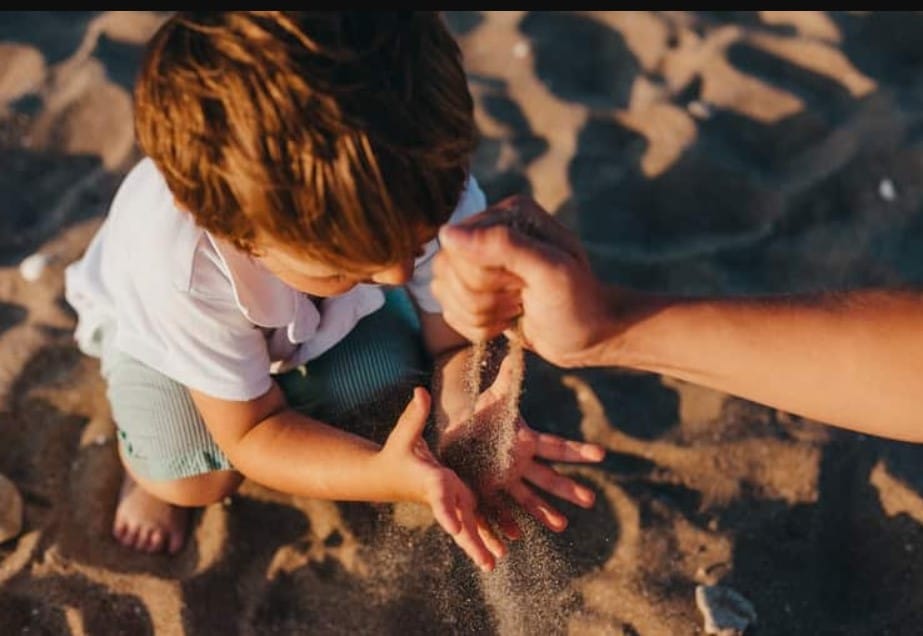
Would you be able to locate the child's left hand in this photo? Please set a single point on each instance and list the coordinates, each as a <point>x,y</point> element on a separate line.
<point>515,469</point>
<point>526,474</point>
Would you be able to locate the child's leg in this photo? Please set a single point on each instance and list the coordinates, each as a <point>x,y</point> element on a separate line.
<point>366,380</point>
<point>167,453</point>
<point>146,521</point>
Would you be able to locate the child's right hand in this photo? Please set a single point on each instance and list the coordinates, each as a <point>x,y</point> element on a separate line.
<point>407,457</point>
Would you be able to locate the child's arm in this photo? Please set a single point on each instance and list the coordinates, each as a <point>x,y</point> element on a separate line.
<point>526,473</point>
<point>290,452</point>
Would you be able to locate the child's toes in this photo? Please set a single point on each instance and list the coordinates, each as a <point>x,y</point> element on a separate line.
<point>144,539</point>
<point>176,539</point>
<point>141,539</point>
<point>155,540</point>
<point>130,536</point>
<point>119,528</point>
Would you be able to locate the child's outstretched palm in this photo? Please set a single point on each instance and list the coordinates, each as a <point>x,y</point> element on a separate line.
<point>513,466</point>
<point>453,504</point>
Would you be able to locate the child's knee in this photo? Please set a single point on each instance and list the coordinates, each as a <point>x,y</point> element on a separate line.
<point>198,490</point>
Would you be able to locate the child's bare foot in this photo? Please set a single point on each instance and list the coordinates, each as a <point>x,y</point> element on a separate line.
<point>148,524</point>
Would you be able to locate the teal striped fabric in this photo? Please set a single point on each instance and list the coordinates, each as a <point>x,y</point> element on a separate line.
<point>363,383</point>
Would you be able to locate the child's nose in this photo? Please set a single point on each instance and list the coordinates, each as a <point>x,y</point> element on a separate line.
<point>397,274</point>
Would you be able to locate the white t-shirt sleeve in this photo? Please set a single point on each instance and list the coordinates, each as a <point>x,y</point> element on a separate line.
<point>470,203</point>
<point>200,340</point>
<point>151,275</point>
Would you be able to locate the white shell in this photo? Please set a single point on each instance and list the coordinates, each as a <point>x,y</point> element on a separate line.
<point>725,611</point>
<point>886,190</point>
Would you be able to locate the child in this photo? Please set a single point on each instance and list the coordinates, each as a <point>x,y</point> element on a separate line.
<point>296,164</point>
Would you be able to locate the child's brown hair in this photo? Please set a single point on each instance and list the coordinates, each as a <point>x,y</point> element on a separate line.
<point>342,135</point>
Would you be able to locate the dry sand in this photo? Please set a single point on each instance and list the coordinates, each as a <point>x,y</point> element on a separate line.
<point>702,153</point>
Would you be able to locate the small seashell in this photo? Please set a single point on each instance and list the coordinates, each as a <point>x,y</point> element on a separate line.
<point>32,266</point>
<point>726,612</point>
<point>886,190</point>
<point>10,510</point>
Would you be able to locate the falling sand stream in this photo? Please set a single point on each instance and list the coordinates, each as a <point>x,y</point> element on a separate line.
<point>527,592</point>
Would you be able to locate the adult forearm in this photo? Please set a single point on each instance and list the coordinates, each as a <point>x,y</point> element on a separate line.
<point>853,360</point>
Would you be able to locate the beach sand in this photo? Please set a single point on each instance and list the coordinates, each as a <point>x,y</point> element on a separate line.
<point>697,153</point>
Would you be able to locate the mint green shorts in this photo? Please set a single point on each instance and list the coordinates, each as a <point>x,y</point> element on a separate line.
<point>363,383</point>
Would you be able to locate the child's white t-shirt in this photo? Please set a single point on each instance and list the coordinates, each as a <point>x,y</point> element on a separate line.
<point>202,312</point>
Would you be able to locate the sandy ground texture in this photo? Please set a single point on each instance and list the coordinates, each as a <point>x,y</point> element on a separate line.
<point>702,153</point>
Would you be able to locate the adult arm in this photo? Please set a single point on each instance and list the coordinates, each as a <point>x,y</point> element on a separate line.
<point>851,359</point>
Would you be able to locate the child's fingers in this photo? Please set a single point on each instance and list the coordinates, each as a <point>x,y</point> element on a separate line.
<point>495,508</point>
<point>558,449</point>
<point>490,539</point>
<point>507,523</point>
<point>559,485</point>
<point>544,512</point>
<point>444,513</point>
<point>455,515</point>
<point>469,540</point>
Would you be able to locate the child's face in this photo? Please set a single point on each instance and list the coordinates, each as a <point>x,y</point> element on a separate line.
<point>319,279</point>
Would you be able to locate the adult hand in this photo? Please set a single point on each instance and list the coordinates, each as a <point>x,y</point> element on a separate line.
<point>513,262</point>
